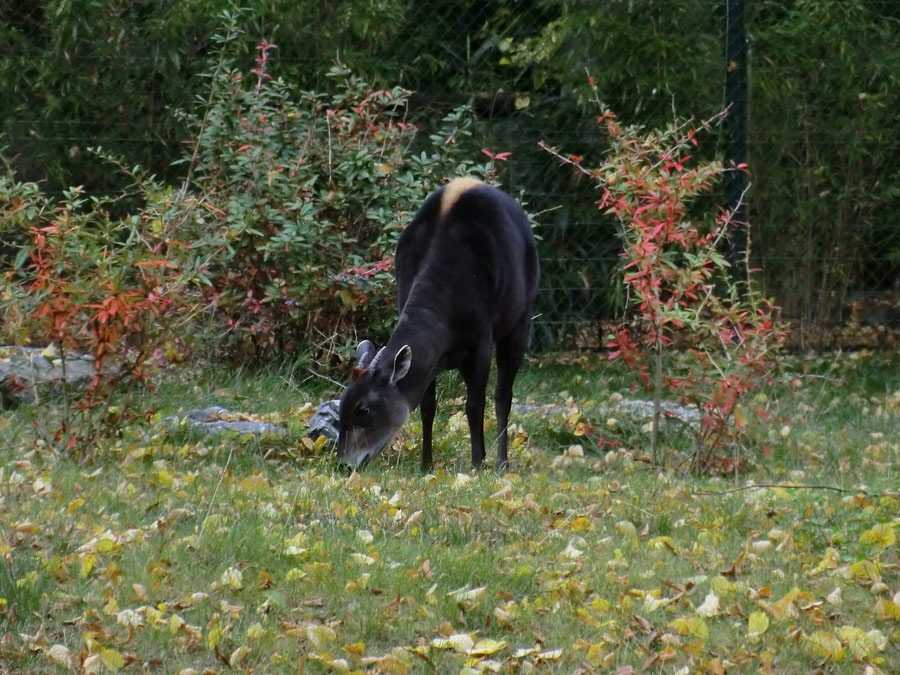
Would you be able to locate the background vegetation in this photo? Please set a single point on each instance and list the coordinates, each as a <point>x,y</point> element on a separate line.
<point>823,94</point>
<point>256,167</point>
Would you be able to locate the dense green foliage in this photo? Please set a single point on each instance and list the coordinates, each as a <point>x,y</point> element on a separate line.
<point>824,88</point>
<point>280,239</point>
<point>303,197</point>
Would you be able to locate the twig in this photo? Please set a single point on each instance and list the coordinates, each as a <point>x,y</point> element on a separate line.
<point>212,500</point>
<point>324,377</point>
<point>704,493</point>
<point>540,213</point>
<point>565,160</point>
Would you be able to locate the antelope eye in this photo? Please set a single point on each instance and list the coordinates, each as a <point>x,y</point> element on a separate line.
<point>362,411</point>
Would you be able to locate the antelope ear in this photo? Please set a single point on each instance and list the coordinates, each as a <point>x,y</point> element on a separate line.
<point>365,352</point>
<point>356,374</point>
<point>402,362</point>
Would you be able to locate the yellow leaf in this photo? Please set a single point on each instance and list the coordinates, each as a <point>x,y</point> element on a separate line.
<point>486,647</point>
<point>154,616</point>
<point>721,585</point>
<point>740,419</point>
<point>264,579</point>
<point>140,592</point>
<point>881,536</point>
<point>580,524</point>
<point>461,642</point>
<point>549,655</point>
<point>175,624</point>
<point>60,655</point>
<point>826,645</point>
<point>598,604</point>
<point>294,574</point>
<point>215,637</point>
<point>339,666</point>
<point>625,528</point>
<point>522,102</point>
<point>783,607</point>
<point>694,647</point>
<point>30,579</point>
<point>693,626</point>
<point>355,649</point>
<point>112,659</point>
<point>26,527</point>
<point>320,634</point>
<point>255,484</point>
<point>104,545</point>
<point>595,654</point>
<point>757,625</point>
<point>74,505</point>
<point>660,543</point>
<point>255,631</point>
<point>862,645</point>
<point>238,655</point>
<point>865,569</point>
<point>233,578</point>
<point>469,599</point>
<point>164,478</point>
<point>887,609</point>
<point>829,561</point>
<point>87,564</point>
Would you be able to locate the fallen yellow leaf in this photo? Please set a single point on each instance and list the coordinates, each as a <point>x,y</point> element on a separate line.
<point>757,625</point>
<point>826,645</point>
<point>486,647</point>
<point>112,659</point>
<point>580,524</point>
<point>461,642</point>
<point>881,536</point>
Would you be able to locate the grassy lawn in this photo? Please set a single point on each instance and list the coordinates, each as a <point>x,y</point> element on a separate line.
<point>172,553</point>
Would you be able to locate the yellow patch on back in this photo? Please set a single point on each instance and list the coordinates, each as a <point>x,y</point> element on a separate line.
<point>454,189</point>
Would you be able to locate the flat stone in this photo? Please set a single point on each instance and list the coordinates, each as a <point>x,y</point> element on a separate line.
<point>25,369</point>
<point>636,410</point>
<point>216,419</point>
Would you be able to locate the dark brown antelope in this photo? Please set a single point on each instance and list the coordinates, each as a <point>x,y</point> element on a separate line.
<point>467,276</point>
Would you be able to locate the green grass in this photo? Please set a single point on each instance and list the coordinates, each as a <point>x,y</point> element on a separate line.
<point>178,552</point>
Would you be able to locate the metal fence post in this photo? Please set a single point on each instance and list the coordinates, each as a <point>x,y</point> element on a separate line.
<point>736,130</point>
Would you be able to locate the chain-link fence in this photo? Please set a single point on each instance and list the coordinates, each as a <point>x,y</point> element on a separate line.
<point>814,89</point>
<point>809,88</point>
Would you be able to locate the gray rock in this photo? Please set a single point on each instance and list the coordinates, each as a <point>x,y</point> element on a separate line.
<point>216,419</point>
<point>636,410</point>
<point>324,421</point>
<point>26,370</point>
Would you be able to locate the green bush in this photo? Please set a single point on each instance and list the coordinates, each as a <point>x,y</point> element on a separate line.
<point>303,196</point>
<point>84,282</point>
